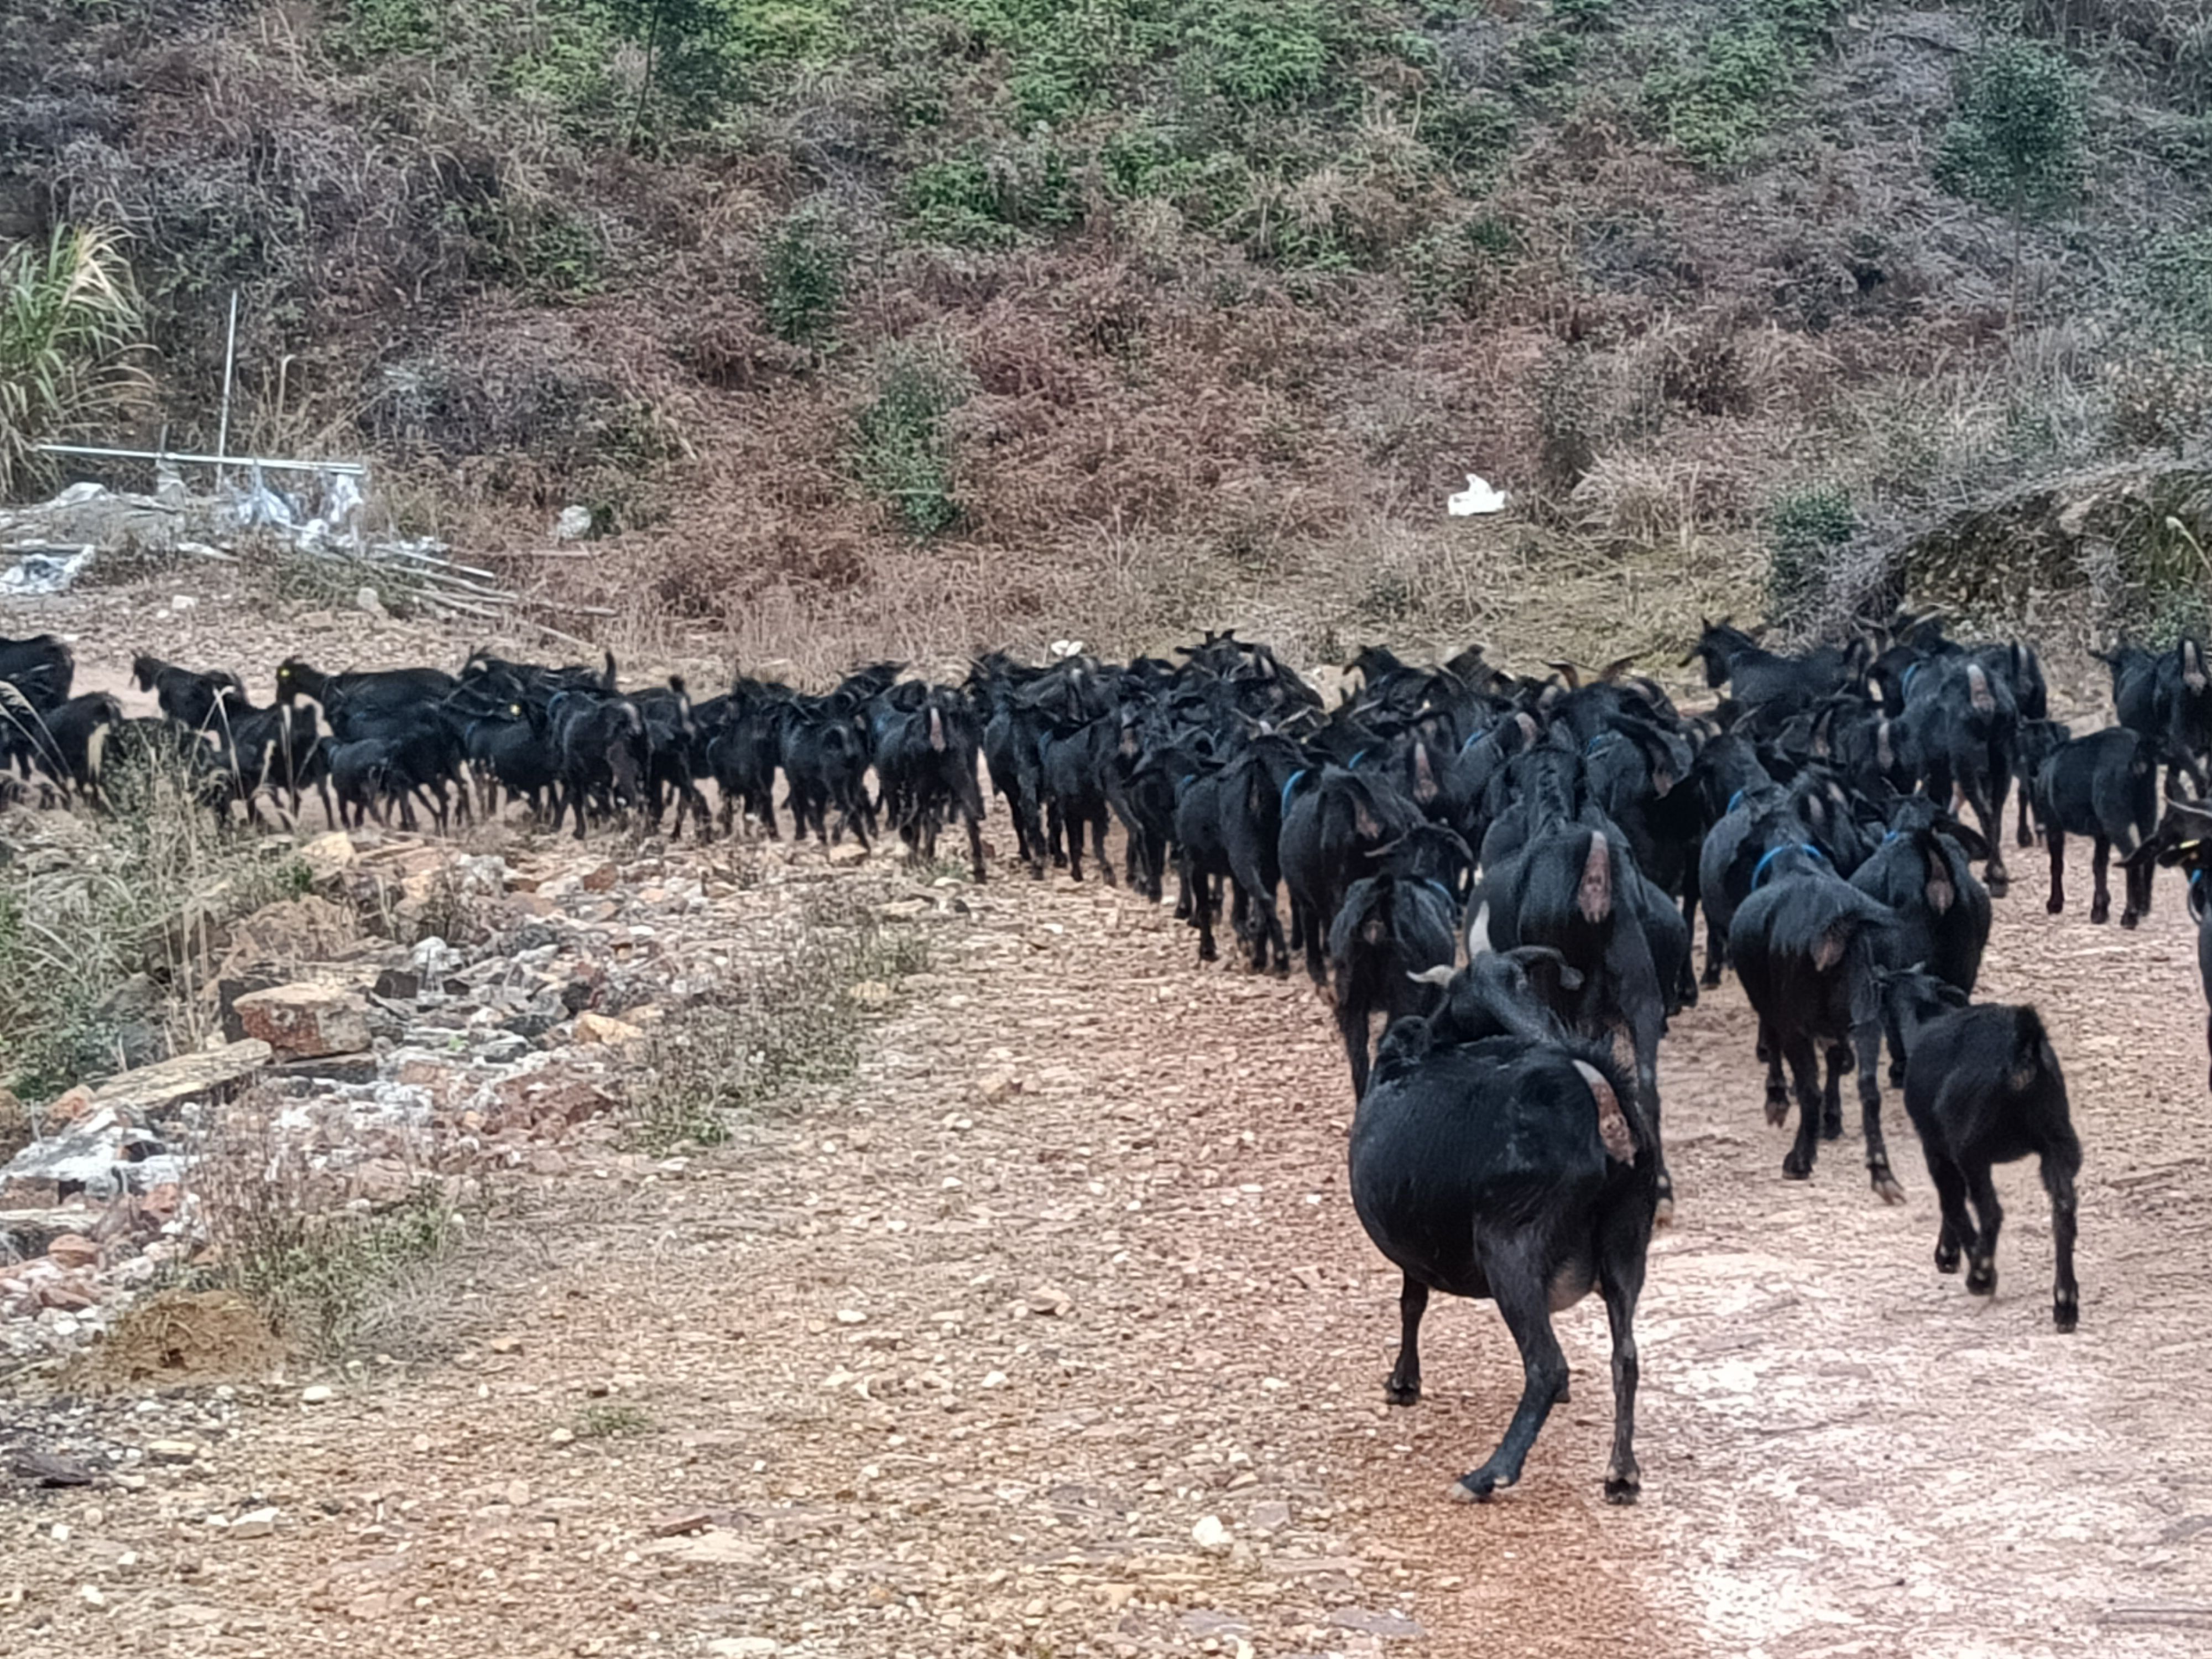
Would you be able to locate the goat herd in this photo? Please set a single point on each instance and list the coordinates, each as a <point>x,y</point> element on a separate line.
<point>1555,836</point>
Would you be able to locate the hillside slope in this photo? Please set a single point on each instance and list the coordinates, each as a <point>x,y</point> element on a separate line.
<point>975,320</point>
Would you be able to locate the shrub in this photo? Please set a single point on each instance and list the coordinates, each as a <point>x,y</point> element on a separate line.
<point>803,267</point>
<point>1716,98</point>
<point>902,442</point>
<point>985,197</point>
<point>2016,141</point>
<point>1805,530</point>
<point>93,902</point>
<point>1260,53</point>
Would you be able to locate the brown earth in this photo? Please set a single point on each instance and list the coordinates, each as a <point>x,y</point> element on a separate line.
<point>954,1359</point>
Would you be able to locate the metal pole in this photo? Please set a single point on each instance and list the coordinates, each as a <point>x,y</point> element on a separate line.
<point>230,359</point>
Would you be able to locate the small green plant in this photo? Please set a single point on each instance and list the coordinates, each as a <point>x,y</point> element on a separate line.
<point>803,267</point>
<point>1261,52</point>
<point>69,324</point>
<point>1714,98</point>
<point>903,448</point>
<point>610,1420</point>
<point>1806,529</point>
<point>2015,143</point>
<point>1548,57</point>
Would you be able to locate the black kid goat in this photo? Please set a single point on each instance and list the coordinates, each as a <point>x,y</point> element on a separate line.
<point>1983,1087</point>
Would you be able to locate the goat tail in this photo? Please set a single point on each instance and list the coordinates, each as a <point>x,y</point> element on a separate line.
<point>2032,1054</point>
<point>1978,689</point>
<point>1363,919</point>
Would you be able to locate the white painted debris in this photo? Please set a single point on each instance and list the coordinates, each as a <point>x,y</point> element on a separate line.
<point>1478,497</point>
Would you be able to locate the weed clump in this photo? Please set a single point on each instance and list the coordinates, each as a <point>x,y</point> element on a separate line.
<point>794,1021</point>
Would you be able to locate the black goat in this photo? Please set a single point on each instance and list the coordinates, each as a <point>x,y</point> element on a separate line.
<point>189,696</point>
<point>1520,1171</point>
<point>1805,943</point>
<point>926,758</point>
<point>1576,888</point>
<point>1394,930</point>
<point>1983,1087</point>
<point>2104,786</point>
<point>40,668</point>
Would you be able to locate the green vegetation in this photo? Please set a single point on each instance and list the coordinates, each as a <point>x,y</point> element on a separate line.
<point>970,312</point>
<point>69,322</point>
<point>105,920</point>
<point>1806,529</point>
<point>903,445</point>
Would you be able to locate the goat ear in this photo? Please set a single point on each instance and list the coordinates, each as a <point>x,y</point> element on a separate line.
<point>1442,974</point>
<point>1941,894</point>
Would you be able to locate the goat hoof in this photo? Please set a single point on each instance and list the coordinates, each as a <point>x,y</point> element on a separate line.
<point>1946,1262</point>
<point>2100,914</point>
<point>1397,1393</point>
<point>1886,1186</point>
<point>1777,1110</point>
<point>1982,1279</point>
<point>1795,1168</point>
<point>1711,979</point>
<point>1831,1128</point>
<point>1663,1216</point>
<point>1624,1486</point>
<point>2055,906</point>
<point>1997,882</point>
<point>2065,1312</point>
<point>1475,1488</point>
<point>2128,918</point>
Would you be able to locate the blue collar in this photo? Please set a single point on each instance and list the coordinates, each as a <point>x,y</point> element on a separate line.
<point>1904,680</point>
<point>1450,897</point>
<point>1353,765</point>
<point>1807,848</point>
<point>1290,788</point>
<point>1733,801</point>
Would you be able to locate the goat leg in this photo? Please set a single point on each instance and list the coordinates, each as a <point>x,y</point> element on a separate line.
<point>1517,1283</point>
<point>2065,1294</point>
<point>1866,1042</point>
<point>2100,904</point>
<point>2054,839</point>
<point>1982,1254</point>
<point>1620,1277</point>
<point>1404,1388</point>
<point>1957,1231</point>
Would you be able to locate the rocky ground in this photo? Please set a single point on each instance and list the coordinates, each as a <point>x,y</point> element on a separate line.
<point>1050,1330</point>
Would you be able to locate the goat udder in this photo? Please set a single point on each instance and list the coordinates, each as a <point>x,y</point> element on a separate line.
<point>936,730</point>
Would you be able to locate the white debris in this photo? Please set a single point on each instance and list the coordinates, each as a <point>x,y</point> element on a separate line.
<point>1478,497</point>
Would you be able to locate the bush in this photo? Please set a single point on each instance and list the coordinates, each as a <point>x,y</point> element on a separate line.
<point>1260,53</point>
<point>2015,141</point>
<point>902,442</point>
<point>1805,530</point>
<point>94,903</point>
<point>804,269</point>
<point>1716,99</point>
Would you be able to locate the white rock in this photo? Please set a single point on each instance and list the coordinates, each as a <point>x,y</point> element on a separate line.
<point>1477,497</point>
<point>369,600</point>
<point>1210,1535</point>
<point>318,1395</point>
<point>91,1597</point>
<point>254,1523</point>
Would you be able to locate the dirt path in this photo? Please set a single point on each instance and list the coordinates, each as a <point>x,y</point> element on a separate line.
<point>945,1369</point>
<point>955,1361</point>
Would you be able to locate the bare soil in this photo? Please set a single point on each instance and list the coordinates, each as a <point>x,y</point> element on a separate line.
<point>953,1358</point>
